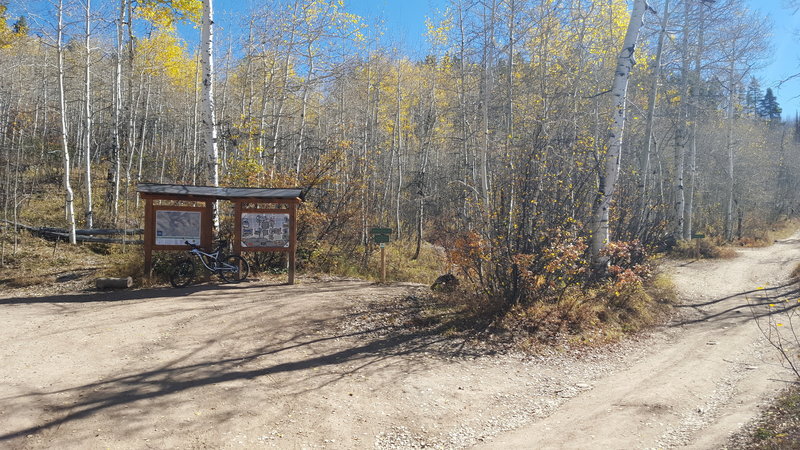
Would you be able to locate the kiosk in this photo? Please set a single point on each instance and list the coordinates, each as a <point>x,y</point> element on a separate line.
<point>265,219</point>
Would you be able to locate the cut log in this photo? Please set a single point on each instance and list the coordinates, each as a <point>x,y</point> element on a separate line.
<point>114,283</point>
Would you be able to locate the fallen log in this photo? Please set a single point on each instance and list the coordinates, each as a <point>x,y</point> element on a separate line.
<point>94,231</point>
<point>98,240</point>
<point>84,235</point>
<point>113,283</point>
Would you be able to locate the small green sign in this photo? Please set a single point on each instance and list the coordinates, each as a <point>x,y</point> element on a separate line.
<point>380,238</point>
<point>698,236</point>
<point>380,231</point>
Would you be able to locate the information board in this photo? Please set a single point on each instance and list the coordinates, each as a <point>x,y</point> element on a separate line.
<point>177,227</point>
<point>265,230</point>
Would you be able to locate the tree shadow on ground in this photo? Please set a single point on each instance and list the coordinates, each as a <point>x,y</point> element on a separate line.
<point>757,302</point>
<point>154,293</point>
<point>379,344</point>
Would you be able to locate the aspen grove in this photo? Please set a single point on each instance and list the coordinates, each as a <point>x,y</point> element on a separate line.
<point>494,147</point>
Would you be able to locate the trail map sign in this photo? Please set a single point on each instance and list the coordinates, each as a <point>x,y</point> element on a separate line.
<point>265,230</point>
<point>177,227</point>
<point>167,226</point>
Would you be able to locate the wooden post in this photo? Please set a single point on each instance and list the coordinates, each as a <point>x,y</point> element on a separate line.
<point>292,240</point>
<point>383,263</point>
<point>149,237</point>
<point>207,226</point>
<point>237,227</point>
<point>697,248</point>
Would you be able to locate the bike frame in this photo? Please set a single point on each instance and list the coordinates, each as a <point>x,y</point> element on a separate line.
<point>219,266</point>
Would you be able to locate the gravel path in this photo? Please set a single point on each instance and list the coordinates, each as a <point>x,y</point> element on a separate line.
<point>703,377</point>
<point>310,366</point>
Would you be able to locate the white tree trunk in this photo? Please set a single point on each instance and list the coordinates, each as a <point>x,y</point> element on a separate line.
<point>209,121</point>
<point>62,107</point>
<point>608,180</point>
<point>682,132</point>
<point>648,134</point>
<point>209,131</point>
<point>88,118</point>
<point>117,149</point>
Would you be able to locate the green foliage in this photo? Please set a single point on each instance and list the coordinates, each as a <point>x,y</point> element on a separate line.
<point>768,106</point>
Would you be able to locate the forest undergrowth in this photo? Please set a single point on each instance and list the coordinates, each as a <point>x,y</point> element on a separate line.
<point>548,297</point>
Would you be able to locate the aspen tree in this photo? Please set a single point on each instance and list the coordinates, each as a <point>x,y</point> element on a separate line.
<point>88,117</point>
<point>209,131</point>
<point>613,156</point>
<point>69,197</point>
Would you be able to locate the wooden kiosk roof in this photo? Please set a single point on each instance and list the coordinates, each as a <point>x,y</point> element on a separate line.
<point>202,193</point>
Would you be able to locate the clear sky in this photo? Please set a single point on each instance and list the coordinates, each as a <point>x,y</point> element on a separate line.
<point>785,60</point>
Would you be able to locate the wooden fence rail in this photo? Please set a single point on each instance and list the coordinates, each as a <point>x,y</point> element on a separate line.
<point>83,235</point>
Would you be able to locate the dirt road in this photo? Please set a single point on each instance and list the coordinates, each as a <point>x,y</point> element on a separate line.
<point>309,366</point>
<point>703,381</point>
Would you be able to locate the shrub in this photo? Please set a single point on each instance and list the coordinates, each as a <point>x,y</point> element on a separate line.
<point>704,248</point>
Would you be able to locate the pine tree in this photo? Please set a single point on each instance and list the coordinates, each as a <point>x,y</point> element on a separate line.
<point>768,106</point>
<point>753,97</point>
<point>796,127</point>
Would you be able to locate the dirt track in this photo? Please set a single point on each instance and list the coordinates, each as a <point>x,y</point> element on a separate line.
<point>254,365</point>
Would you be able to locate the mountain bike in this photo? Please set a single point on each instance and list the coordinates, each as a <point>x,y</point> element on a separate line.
<point>230,268</point>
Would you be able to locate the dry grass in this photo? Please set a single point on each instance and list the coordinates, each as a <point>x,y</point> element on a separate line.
<point>580,317</point>
<point>778,427</point>
<point>39,262</point>
<point>399,265</point>
<point>763,234</point>
<point>702,248</point>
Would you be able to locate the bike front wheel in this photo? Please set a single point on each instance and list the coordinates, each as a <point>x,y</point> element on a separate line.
<point>183,274</point>
<point>234,268</point>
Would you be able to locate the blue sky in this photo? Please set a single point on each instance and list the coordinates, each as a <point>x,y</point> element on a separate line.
<point>785,60</point>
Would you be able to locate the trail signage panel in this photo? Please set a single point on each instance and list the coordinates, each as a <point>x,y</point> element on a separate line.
<point>380,238</point>
<point>265,230</point>
<point>698,236</point>
<point>177,227</point>
<point>378,230</point>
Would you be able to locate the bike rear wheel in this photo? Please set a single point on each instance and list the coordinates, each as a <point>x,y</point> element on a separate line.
<point>234,268</point>
<point>183,273</point>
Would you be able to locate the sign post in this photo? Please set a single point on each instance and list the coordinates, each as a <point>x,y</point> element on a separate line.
<point>696,237</point>
<point>381,236</point>
<point>383,263</point>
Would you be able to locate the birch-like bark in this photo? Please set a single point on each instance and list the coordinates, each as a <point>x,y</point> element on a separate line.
<point>681,134</point>
<point>209,131</point>
<point>209,121</point>
<point>608,180</point>
<point>688,226</point>
<point>728,230</point>
<point>304,110</point>
<point>485,99</point>
<point>114,176</point>
<point>88,118</point>
<point>648,134</point>
<point>62,107</point>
